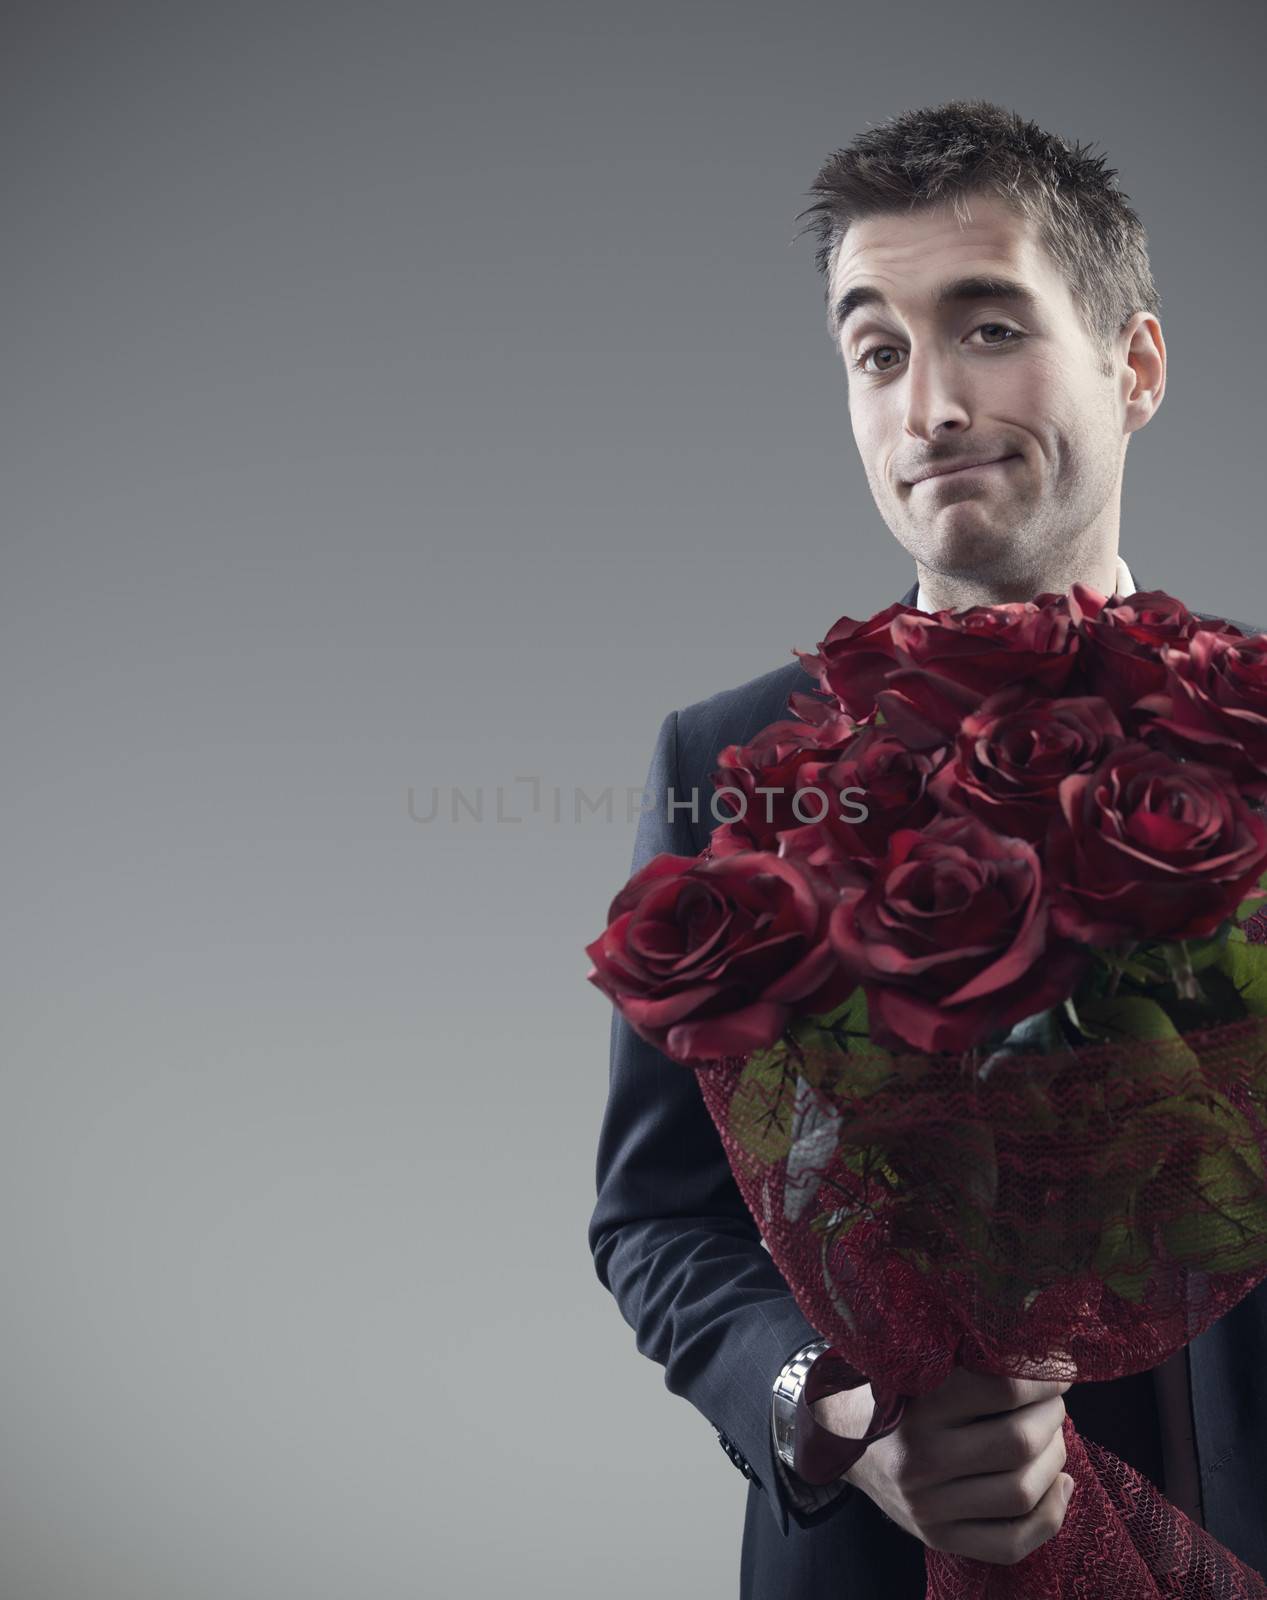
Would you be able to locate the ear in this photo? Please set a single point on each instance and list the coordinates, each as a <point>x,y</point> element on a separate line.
<point>1143,374</point>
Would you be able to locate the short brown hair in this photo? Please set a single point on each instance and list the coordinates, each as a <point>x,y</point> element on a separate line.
<point>947,153</point>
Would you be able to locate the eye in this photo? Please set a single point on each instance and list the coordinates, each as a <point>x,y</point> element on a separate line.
<point>860,364</point>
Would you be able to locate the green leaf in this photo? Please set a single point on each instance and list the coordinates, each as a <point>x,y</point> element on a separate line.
<point>761,1108</point>
<point>1203,953</point>
<point>836,1046</point>
<point>1123,1260</point>
<point>1226,1228</point>
<point>1126,1016</point>
<point>1120,1019</point>
<point>1253,901</point>
<point>1246,965</point>
<point>1143,966</point>
<point>1205,1107</point>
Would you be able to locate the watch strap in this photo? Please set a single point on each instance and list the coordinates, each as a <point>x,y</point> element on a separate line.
<point>818,1454</point>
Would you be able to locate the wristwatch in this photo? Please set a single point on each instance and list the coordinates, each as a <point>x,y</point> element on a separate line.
<point>813,1452</point>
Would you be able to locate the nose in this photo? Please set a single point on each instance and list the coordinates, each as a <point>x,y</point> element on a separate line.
<point>936,402</point>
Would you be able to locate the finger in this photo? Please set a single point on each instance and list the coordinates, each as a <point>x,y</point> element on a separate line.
<point>1001,1443</point>
<point>1004,1494</point>
<point>965,1396</point>
<point>1007,1540</point>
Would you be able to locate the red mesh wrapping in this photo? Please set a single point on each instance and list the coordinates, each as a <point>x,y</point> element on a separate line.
<point>1078,1216</point>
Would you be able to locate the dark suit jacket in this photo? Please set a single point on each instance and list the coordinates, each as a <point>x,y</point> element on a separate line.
<point>674,1242</point>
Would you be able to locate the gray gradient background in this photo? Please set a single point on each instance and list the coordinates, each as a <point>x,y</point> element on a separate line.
<point>410,395</point>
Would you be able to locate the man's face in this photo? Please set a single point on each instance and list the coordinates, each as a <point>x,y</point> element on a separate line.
<point>977,379</point>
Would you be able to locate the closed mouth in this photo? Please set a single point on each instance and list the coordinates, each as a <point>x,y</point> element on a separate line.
<point>973,466</point>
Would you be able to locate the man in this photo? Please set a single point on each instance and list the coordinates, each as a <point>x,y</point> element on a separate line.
<point>989,293</point>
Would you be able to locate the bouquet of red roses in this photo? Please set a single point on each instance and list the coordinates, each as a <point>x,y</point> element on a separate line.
<point>974,986</point>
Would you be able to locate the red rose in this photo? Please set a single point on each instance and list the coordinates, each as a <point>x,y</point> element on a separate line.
<point>975,651</point>
<point>1012,755</point>
<point>1152,849</point>
<point>984,648</point>
<point>951,939</point>
<point>708,958</point>
<point>1215,704</point>
<point>856,657</point>
<point>894,781</point>
<point>771,763</point>
<point>818,709</point>
<point>923,709</point>
<point>1124,640</point>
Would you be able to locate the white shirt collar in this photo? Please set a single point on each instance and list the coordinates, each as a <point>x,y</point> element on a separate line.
<point>1125,585</point>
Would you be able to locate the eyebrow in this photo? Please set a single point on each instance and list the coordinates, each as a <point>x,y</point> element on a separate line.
<point>955,292</point>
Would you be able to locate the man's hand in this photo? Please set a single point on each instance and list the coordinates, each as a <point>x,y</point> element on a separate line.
<point>974,1468</point>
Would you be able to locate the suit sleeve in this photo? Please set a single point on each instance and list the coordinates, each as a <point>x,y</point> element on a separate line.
<point>670,1234</point>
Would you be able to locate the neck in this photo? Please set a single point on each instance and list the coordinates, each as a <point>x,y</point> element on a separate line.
<point>947,592</point>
